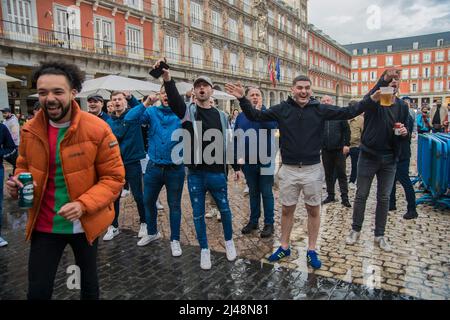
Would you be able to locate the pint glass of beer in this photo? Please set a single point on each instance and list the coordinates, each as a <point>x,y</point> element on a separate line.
<point>386,96</point>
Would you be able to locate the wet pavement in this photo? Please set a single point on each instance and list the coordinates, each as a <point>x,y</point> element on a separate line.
<point>418,267</point>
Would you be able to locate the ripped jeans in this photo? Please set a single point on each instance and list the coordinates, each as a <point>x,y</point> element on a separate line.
<point>199,182</point>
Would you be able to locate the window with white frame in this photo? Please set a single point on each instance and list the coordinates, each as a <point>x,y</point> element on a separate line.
<point>438,71</point>
<point>197,54</point>
<point>216,21</point>
<point>438,86</point>
<point>171,48</point>
<point>414,73</point>
<point>439,56</point>
<point>248,65</point>
<point>247,34</point>
<point>355,63</point>
<point>270,16</point>
<point>426,72</point>
<point>405,59</point>
<point>289,26</point>
<point>217,58</point>
<point>425,86</point>
<point>22,15</point>
<point>365,89</point>
<point>135,4</point>
<point>448,70</point>
<point>440,42</point>
<point>261,66</point>
<point>134,41</point>
<point>231,2</point>
<point>413,87</point>
<point>405,74</point>
<point>289,49</point>
<point>415,45</point>
<point>354,90</point>
<point>355,52</point>
<point>233,29</point>
<point>364,76</point>
<point>373,62</point>
<point>247,6</point>
<point>196,14</point>
<point>364,63</point>
<point>365,51</point>
<point>280,44</point>
<point>373,75</point>
<point>233,61</point>
<point>104,34</point>
<point>280,22</point>
<point>389,60</point>
<point>389,48</point>
<point>426,57</point>
<point>171,10</point>
<point>270,41</point>
<point>67,25</point>
<point>415,58</point>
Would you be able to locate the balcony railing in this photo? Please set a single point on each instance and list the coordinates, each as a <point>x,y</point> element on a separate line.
<point>54,40</point>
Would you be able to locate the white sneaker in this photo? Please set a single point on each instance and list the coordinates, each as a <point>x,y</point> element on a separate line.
<point>352,186</point>
<point>352,237</point>
<point>383,244</point>
<point>212,213</point>
<point>124,193</point>
<point>145,240</point>
<point>205,259</point>
<point>159,206</point>
<point>142,230</point>
<point>3,242</point>
<point>176,248</point>
<point>219,217</point>
<point>246,191</point>
<point>111,233</point>
<point>231,250</point>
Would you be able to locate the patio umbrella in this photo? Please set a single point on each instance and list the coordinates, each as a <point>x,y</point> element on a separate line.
<point>105,85</point>
<point>4,77</point>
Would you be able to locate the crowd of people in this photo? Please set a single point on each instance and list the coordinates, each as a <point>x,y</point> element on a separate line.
<point>80,162</point>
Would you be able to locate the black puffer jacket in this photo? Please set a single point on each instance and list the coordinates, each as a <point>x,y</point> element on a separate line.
<point>336,135</point>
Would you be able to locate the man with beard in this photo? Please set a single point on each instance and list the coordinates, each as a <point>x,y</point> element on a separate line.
<point>301,120</point>
<point>259,175</point>
<point>75,162</point>
<point>161,169</point>
<point>131,142</point>
<point>207,172</point>
<point>95,106</point>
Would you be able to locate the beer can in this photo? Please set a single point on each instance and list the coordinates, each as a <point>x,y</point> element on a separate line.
<point>26,194</point>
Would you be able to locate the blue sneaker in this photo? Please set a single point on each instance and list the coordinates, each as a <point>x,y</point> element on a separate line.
<point>279,254</point>
<point>313,259</point>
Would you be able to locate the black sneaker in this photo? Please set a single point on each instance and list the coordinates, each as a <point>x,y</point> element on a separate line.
<point>328,200</point>
<point>267,231</point>
<point>346,203</point>
<point>392,208</point>
<point>249,228</point>
<point>411,214</point>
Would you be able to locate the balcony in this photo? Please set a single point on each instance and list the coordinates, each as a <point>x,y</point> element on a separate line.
<point>50,40</point>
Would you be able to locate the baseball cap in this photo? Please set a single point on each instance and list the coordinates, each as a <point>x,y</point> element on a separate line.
<point>95,96</point>
<point>6,109</point>
<point>203,79</point>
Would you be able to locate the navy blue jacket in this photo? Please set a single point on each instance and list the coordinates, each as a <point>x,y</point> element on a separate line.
<point>242,122</point>
<point>7,144</point>
<point>104,116</point>
<point>162,122</point>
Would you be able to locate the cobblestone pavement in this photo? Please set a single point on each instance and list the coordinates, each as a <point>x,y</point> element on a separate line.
<point>418,266</point>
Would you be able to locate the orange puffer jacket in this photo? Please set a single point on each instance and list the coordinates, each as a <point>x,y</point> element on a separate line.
<point>91,163</point>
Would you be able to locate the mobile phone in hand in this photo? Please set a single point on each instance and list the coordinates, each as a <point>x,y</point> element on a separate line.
<point>156,73</point>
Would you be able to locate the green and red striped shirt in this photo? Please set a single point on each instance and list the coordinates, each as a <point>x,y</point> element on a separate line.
<point>55,193</point>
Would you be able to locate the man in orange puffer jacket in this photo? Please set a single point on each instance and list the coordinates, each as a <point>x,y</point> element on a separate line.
<point>78,173</point>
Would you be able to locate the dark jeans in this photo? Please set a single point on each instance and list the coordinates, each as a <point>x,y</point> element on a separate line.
<point>46,251</point>
<point>334,165</point>
<point>133,175</point>
<point>368,168</point>
<point>200,181</point>
<point>154,179</point>
<point>259,186</point>
<point>402,176</point>
<point>354,155</point>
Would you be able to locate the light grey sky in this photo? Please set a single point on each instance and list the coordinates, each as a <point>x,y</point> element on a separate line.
<point>354,21</point>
